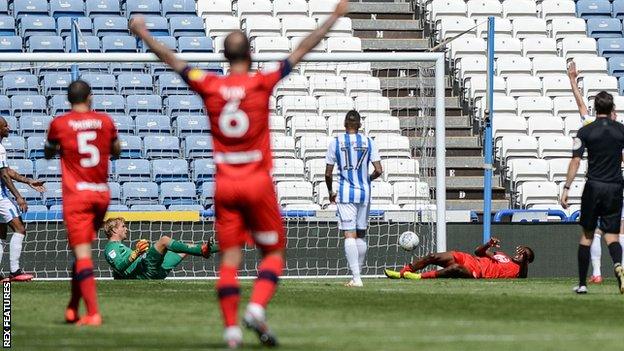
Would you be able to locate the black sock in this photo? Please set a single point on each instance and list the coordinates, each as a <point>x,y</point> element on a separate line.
<point>583,263</point>
<point>615,249</point>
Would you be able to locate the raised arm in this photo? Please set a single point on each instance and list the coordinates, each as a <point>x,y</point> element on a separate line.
<point>137,27</point>
<point>573,75</point>
<point>484,250</point>
<point>314,38</point>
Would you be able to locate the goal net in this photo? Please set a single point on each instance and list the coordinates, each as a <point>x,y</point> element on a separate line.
<point>164,182</point>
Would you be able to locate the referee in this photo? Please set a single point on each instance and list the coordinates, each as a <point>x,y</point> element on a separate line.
<point>601,203</point>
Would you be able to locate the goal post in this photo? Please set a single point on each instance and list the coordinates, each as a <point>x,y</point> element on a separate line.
<point>316,249</point>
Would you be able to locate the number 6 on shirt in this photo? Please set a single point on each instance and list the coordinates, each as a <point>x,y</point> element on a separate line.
<point>233,122</point>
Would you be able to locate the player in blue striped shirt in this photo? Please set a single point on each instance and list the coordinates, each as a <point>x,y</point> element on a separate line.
<point>352,153</point>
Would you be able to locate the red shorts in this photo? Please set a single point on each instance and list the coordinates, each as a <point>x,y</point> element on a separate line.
<point>83,217</point>
<point>469,262</point>
<point>247,210</point>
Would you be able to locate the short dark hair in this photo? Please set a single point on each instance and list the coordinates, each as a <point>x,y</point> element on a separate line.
<point>531,255</point>
<point>353,117</point>
<point>236,47</point>
<point>78,92</point>
<point>603,103</point>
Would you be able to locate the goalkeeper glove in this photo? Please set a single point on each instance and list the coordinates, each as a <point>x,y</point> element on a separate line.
<point>140,247</point>
<point>405,269</point>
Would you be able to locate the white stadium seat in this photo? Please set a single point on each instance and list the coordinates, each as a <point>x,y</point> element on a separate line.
<point>353,69</point>
<point>572,124</point>
<point>214,7</point>
<point>548,65</point>
<point>502,126</point>
<point>368,105</point>
<point>528,170</point>
<point>315,170</point>
<point>518,146</point>
<point>301,124</point>
<point>297,26</point>
<point>282,146</point>
<point>572,47</point>
<point>542,125</point>
<point>313,146</point>
<point>591,85</point>
<point>575,193</point>
<point>484,8</point>
<point>477,86</point>
<point>287,169</point>
<point>524,86</point>
<point>556,85</point>
<point>529,27</point>
<point>565,107</point>
<point>557,8</point>
<point>322,195</point>
<point>410,192</point>
<point>330,104</point>
<point>312,68</point>
<point>400,169</point>
<point>507,66</point>
<point>562,27</point>
<point>296,40</point>
<point>220,26</point>
<point>507,46</point>
<point>292,84</point>
<point>344,44</point>
<point>246,8</point>
<point>342,28</point>
<point>590,65</point>
<point>275,45</point>
<point>471,65</point>
<point>392,145</point>
<point>463,46</point>
<point>378,124</point>
<point>381,193</point>
<point>502,28</point>
<point>335,124</point>
<point>323,85</point>
<point>358,84</point>
<point>519,8</point>
<point>321,7</point>
<point>452,26</point>
<point>539,46</point>
<point>558,170</point>
<point>277,124</point>
<point>439,9</point>
<point>554,146</point>
<point>294,192</point>
<point>503,106</point>
<point>532,193</point>
<point>262,25</point>
<point>291,105</point>
<point>285,8</point>
<point>530,105</point>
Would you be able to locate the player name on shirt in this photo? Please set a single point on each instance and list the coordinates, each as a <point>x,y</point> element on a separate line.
<point>85,124</point>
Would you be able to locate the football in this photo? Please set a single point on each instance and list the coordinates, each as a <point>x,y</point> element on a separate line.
<point>408,241</point>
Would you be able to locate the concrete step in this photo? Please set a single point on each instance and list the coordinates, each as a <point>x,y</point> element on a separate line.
<point>418,103</point>
<point>381,10</point>
<point>404,65</point>
<point>474,182</point>
<point>411,83</point>
<point>474,162</point>
<point>471,142</point>
<point>389,25</point>
<point>395,44</point>
<point>452,122</point>
<point>475,205</point>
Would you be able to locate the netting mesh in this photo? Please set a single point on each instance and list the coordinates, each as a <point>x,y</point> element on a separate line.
<point>167,159</point>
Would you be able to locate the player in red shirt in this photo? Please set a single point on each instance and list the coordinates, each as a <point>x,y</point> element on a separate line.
<point>84,139</point>
<point>485,264</point>
<point>245,199</point>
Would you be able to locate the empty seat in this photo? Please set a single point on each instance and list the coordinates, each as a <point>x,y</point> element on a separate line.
<point>20,84</point>
<point>131,146</point>
<point>101,83</point>
<point>593,84</point>
<point>293,84</point>
<point>484,8</point>
<point>609,47</point>
<point>565,106</point>
<point>183,104</point>
<point>59,104</point>
<point>102,8</point>
<point>262,26</point>
<point>321,85</point>
<point>195,44</point>
<point>7,25</point>
<point>124,123</point>
<point>556,85</point>
<point>344,44</point>
<point>297,26</point>
<point>178,8</point>
<point>175,170</point>
<point>186,27</point>
<point>502,28</point>
<point>287,169</point>
<point>554,146</point>
<point>616,66</point>
<point>410,192</point>
<point>290,105</point>
<point>160,146</point>
<point>529,27</point>
<point>377,124</point>
<point>502,126</point>
<point>604,28</point>
<point>276,44</point>
<point>617,9</point>
<point>220,26</point>
<point>12,123</point>
<point>392,145</point>
<point>178,193</point>
<point>282,146</point>
<point>577,46</point>
<point>313,145</point>
<point>118,43</point>
<point>171,84</point>
<point>370,105</point>
<point>85,44</point>
<point>295,41</point>
<point>109,103</point>
<point>34,125</point>
<point>362,84</point>
<point>548,65</point>
<point>214,7</point>
<point>519,8</point>
<point>189,125</point>
<point>110,25</point>
<point>507,46</point>
<point>539,46</point>
<point>148,208</point>
<point>10,44</point>
<point>513,65</point>
<point>23,167</point>
<point>318,8</point>
<point>31,104</point>
<point>532,193</point>
<point>400,169</point>
<point>139,193</point>
<point>15,146</point>
<point>528,105</point>
<point>143,104</point>
<point>463,46</point>
<point>206,194</point>
<point>53,194</point>
<point>152,124</point>
<point>294,192</point>
<point>331,104</point>
<point>45,43</point>
<point>524,86</point>
<point>134,83</point>
<point>439,9</point>
<point>198,146</point>
<point>566,27</point>
<point>132,170</point>
<point>168,41</point>
<point>144,7</point>
<point>203,170</point>
<point>29,7</point>
<point>588,9</point>
<point>115,193</point>
<point>48,170</point>
<point>308,123</point>
<point>315,170</point>
<point>69,8</point>
<point>557,8</point>
<point>157,25</point>
<point>542,125</point>
<point>517,146</point>
<point>37,25</point>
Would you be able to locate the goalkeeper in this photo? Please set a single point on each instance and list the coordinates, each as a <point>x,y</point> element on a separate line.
<point>159,260</point>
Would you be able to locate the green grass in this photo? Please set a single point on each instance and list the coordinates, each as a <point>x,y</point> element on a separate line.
<point>533,314</point>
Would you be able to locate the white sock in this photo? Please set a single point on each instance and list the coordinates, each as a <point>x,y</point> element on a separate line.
<point>622,243</point>
<point>351,251</point>
<point>596,252</point>
<point>15,250</point>
<point>361,246</point>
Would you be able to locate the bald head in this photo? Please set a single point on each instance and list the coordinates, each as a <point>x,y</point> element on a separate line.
<point>236,48</point>
<point>4,128</point>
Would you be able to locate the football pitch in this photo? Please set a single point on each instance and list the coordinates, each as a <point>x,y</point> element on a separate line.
<point>533,314</point>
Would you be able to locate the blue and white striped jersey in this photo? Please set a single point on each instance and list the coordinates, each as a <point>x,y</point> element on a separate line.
<point>352,155</point>
<point>4,192</point>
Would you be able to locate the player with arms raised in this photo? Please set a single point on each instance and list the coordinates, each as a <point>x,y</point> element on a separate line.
<point>84,139</point>
<point>245,199</point>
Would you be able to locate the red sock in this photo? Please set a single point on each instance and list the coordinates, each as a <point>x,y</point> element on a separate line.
<point>268,275</point>
<point>86,282</point>
<point>75,291</point>
<point>429,275</point>
<point>228,291</point>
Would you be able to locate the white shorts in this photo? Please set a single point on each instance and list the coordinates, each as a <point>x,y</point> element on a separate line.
<point>353,216</point>
<point>8,210</point>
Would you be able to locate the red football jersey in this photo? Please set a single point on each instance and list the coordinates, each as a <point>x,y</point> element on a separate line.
<point>238,110</point>
<point>85,141</point>
<point>498,266</point>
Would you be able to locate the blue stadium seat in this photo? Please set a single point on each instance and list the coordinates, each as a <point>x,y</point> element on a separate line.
<point>45,43</point>
<point>22,166</point>
<point>158,68</point>
<point>7,24</point>
<point>148,208</point>
<point>134,83</point>
<point>5,105</point>
<point>171,84</point>
<point>139,193</point>
<point>168,41</point>
<point>115,192</point>
<point>157,25</point>
<point>198,146</point>
<point>34,147</point>
<point>175,170</point>
<point>33,104</point>
<point>593,8</point>
<point>48,170</point>
<point>206,194</point>
<point>143,104</point>
<point>178,8</point>
<point>621,85</point>
<point>616,66</point>
<point>29,7</point>
<point>609,47</point>
<point>38,208</point>
<point>37,25</point>
<point>203,170</point>
<point>11,43</point>
<point>59,105</point>
<point>124,123</point>
<point>64,25</point>
<point>20,84</point>
<point>109,103</point>
<point>192,208</point>
<point>96,8</point>
<point>118,208</point>
<point>604,28</point>
<point>67,8</point>
<point>184,104</point>
<point>118,43</point>
<point>29,194</point>
<point>213,67</point>
<point>15,146</point>
<point>101,83</point>
<point>195,44</point>
<point>125,67</point>
<point>142,7</point>
<point>617,9</point>
<point>13,125</point>
<point>132,170</point>
<point>4,7</point>
<point>191,26</point>
<point>152,124</point>
<point>88,43</point>
<point>34,125</point>
<point>110,25</point>
<point>189,125</point>
<point>56,83</point>
<point>131,146</point>
<point>161,146</point>
<point>53,194</point>
<point>181,193</point>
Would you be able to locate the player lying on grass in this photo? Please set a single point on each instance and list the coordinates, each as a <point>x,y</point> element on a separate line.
<point>485,264</point>
<point>161,258</point>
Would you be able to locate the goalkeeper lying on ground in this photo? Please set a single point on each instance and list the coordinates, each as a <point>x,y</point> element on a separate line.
<point>485,264</point>
<point>160,259</point>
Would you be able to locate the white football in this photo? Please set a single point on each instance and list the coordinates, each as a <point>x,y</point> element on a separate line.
<point>408,241</point>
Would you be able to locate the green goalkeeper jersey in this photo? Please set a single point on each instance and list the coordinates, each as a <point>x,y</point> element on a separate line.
<point>118,256</point>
